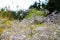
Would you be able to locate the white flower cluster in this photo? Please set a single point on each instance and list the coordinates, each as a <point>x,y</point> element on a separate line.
<point>27,30</point>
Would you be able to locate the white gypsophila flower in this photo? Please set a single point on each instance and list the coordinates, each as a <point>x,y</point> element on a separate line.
<point>5,35</point>
<point>17,37</point>
<point>20,30</point>
<point>40,29</point>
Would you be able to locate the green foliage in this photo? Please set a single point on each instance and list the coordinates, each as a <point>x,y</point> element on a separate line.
<point>36,5</point>
<point>56,2</point>
<point>2,13</point>
<point>9,14</point>
<point>12,15</point>
<point>35,12</point>
<point>21,15</point>
<point>53,5</point>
